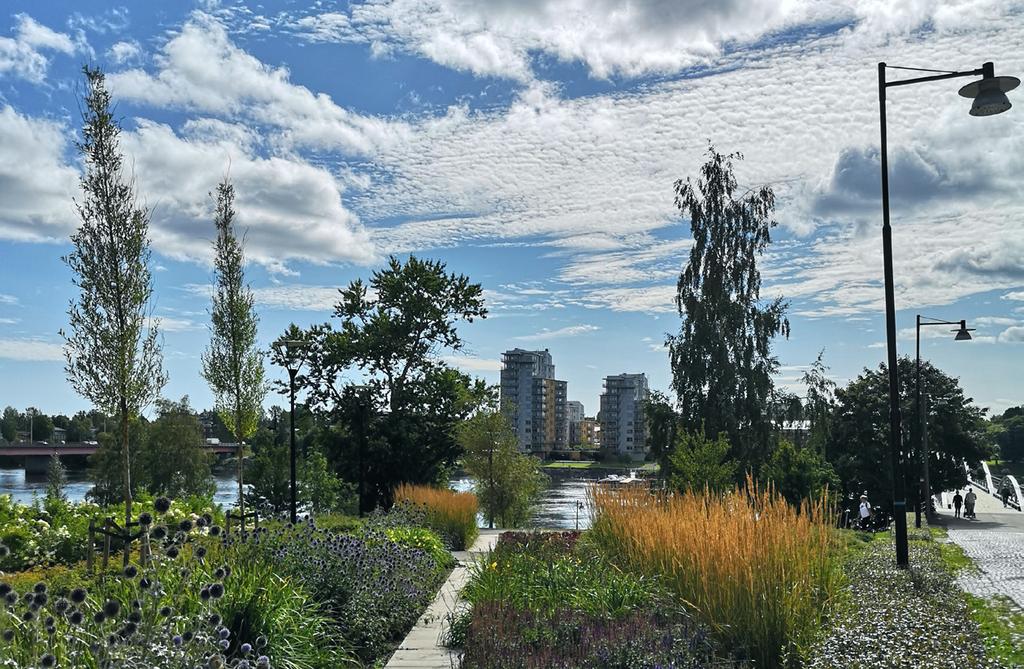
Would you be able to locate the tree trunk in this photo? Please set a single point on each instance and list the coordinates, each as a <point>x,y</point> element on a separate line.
<point>239,451</point>
<point>127,465</point>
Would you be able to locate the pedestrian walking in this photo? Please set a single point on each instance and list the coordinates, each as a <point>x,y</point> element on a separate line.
<point>969,499</point>
<point>958,501</point>
<point>1004,492</point>
<point>864,512</point>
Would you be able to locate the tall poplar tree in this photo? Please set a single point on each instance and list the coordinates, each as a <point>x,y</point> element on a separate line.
<point>722,363</point>
<point>112,348</point>
<point>232,364</point>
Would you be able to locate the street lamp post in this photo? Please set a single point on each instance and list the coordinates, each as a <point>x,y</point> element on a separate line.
<point>989,94</point>
<point>293,347</point>
<point>962,334</point>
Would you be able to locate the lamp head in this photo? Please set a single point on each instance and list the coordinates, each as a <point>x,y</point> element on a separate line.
<point>293,350</point>
<point>989,94</point>
<point>964,333</point>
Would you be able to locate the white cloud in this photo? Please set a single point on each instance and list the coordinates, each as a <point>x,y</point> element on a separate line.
<point>200,69</point>
<point>1019,295</point>
<point>611,38</point>
<point>8,299</point>
<point>36,185</point>
<point>472,364</point>
<point>298,297</point>
<point>170,324</point>
<point>125,52</point>
<point>288,209</point>
<point>31,350</point>
<point>568,331</point>
<point>10,321</point>
<point>1013,334</point>
<point>21,56</point>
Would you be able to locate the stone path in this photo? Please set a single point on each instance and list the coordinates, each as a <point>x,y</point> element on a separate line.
<point>422,647</point>
<point>995,541</point>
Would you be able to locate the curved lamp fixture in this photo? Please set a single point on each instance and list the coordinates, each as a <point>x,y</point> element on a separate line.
<point>990,95</point>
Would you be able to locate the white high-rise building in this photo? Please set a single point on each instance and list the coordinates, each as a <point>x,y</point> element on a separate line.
<point>623,423</point>
<point>533,400</point>
<point>574,415</point>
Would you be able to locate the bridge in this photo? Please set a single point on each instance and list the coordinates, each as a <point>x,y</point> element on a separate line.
<point>36,456</point>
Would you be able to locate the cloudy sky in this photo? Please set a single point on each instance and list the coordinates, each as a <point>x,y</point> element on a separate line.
<point>533,145</point>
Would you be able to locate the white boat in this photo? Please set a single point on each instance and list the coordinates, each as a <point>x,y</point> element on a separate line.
<point>618,479</point>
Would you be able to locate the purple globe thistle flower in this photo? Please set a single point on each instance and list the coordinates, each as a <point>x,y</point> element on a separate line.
<point>49,621</point>
<point>215,620</point>
<point>47,660</point>
<point>28,616</point>
<point>40,598</point>
<point>61,605</point>
<point>78,595</point>
<point>145,583</point>
<point>263,662</point>
<point>8,635</point>
<point>39,587</point>
<point>145,519</point>
<point>224,633</point>
<point>185,525</point>
<point>224,644</point>
<point>4,589</point>
<point>217,590</point>
<point>76,617</point>
<point>245,648</point>
<point>4,551</point>
<point>11,597</point>
<point>165,611</point>
<point>176,640</point>
<point>204,594</point>
<point>162,505</point>
<point>131,571</point>
<point>200,552</point>
<point>261,642</point>
<point>172,552</point>
<point>215,531</point>
<point>112,607</point>
<point>219,573</point>
<point>135,617</point>
<point>159,532</point>
<point>99,617</point>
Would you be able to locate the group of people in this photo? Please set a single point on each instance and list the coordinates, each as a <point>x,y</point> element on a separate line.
<point>967,502</point>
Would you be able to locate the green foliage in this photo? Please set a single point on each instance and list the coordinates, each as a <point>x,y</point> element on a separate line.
<point>269,473</point>
<point>321,490</point>
<point>80,428</point>
<point>112,351</point>
<point>421,539</point>
<point>663,427</point>
<point>399,427</point>
<point>507,483</point>
<point>9,424</point>
<point>56,479</point>
<point>820,404</point>
<point>722,364</point>
<point>233,364</point>
<point>42,426</point>
<point>859,449</point>
<point>1008,434</point>
<point>697,462</point>
<point>799,473</point>
<point>106,465</point>
<point>174,460</point>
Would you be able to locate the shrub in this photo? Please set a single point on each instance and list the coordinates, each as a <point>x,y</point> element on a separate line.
<point>760,573</point>
<point>451,514</point>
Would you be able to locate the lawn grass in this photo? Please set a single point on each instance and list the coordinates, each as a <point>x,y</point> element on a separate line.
<point>595,464</point>
<point>1016,469</point>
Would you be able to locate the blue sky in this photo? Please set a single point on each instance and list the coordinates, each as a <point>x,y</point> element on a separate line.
<point>533,146</point>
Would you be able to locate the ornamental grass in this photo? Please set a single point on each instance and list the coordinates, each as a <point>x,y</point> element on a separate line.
<point>758,572</point>
<point>451,514</point>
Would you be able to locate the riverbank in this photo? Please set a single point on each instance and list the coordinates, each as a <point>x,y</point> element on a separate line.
<point>614,466</point>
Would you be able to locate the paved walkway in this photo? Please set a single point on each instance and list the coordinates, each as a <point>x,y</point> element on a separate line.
<point>995,541</point>
<point>422,647</point>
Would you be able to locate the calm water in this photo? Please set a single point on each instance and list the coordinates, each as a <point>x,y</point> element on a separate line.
<point>14,483</point>
<point>557,507</point>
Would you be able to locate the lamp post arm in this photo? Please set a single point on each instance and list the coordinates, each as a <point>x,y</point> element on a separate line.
<point>986,70</point>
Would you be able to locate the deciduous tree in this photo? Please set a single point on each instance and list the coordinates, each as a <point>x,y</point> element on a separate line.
<point>232,364</point>
<point>112,346</point>
<point>722,362</point>
<point>174,459</point>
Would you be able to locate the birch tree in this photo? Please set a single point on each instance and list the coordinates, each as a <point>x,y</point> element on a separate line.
<point>112,342</point>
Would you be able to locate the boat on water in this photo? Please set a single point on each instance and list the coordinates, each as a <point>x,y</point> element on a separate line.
<point>618,479</point>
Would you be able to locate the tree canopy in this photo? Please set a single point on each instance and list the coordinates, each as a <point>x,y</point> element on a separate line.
<point>722,362</point>
<point>858,446</point>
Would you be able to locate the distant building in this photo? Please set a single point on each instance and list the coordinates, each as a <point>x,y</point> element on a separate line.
<point>623,424</point>
<point>533,400</point>
<point>573,415</point>
<point>590,433</point>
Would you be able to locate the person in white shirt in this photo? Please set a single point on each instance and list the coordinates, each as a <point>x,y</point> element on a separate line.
<point>969,499</point>
<point>865,509</point>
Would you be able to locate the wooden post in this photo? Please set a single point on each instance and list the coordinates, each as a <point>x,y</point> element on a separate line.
<point>106,543</point>
<point>91,545</point>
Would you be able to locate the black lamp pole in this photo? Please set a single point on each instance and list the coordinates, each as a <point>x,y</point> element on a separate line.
<point>292,371</point>
<point>962,334</point>
<point>987,94</point>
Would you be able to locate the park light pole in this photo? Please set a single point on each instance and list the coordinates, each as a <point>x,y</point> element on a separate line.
<point>963,333</point>
<point>293,350</point>
<point>989,95</point>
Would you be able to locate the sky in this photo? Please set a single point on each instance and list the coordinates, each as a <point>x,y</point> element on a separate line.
<point>533,146</point>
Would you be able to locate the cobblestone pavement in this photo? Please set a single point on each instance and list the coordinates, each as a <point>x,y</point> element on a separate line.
<point>995,541</point>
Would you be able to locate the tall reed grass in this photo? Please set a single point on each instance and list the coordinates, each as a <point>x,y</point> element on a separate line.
<point>451,514</point>
<point>759,572</point>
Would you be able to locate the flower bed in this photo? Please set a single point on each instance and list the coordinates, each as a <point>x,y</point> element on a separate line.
<point>548,600</point>
<point>915,617</point>
<point>451,514</point>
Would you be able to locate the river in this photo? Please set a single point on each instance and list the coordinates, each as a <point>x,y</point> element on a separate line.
<point>556,508</point>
